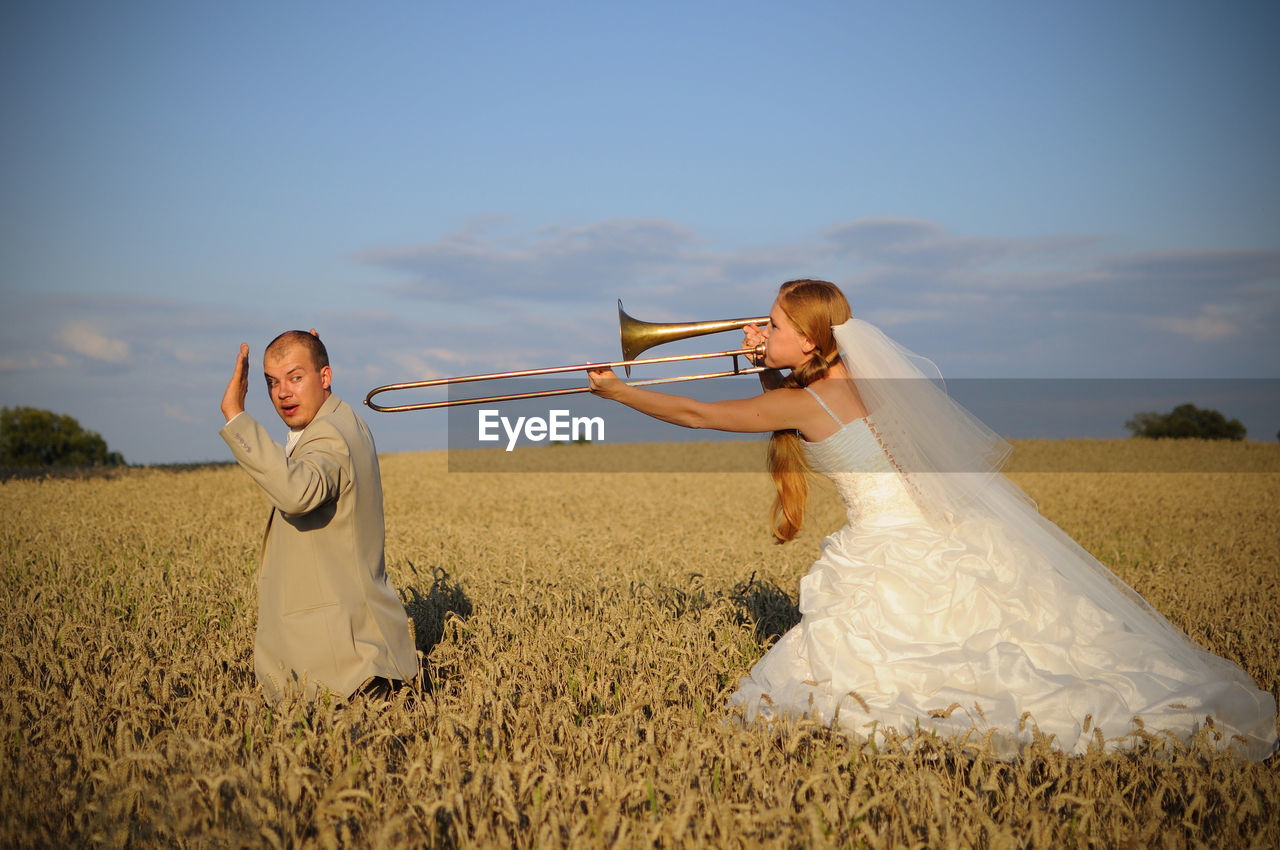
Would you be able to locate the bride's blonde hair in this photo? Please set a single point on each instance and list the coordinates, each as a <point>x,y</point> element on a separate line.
<point>813,307</point>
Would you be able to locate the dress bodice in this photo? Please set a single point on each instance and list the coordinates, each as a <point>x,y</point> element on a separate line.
<point>873,490</point>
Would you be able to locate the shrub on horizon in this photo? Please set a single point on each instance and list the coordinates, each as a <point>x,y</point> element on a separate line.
<point>30,437</point>
<point>1186,420</point>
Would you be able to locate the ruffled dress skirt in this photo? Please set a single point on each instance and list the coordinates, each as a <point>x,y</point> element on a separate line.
<point>962,630</point>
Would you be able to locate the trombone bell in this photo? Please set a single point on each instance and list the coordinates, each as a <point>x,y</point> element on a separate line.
<point>638,337</point>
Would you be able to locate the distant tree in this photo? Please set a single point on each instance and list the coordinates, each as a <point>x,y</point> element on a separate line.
<point>33,437</point>
<point>1186,420</point>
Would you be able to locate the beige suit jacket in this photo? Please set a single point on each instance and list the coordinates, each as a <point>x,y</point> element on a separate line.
<point>327,615</point>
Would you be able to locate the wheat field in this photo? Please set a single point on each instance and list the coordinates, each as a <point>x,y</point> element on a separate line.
<point>580,633</point>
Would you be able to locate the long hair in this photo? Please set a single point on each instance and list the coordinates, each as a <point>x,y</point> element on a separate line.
<point>813,307</point>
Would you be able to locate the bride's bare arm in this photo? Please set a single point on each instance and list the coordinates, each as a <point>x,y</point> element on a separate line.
<point>772,411</point>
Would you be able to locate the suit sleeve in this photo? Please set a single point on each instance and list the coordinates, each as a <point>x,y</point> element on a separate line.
<point>297,484</point>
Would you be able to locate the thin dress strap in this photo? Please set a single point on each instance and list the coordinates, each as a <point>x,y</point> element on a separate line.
<point>824,406</point>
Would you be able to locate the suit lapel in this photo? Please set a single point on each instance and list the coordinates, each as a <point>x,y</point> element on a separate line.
<point>330,405</point>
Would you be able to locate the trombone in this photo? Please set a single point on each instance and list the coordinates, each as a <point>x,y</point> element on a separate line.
<point>636,337</point>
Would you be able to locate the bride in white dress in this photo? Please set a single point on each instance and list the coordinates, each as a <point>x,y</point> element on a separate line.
<point>946,603</point>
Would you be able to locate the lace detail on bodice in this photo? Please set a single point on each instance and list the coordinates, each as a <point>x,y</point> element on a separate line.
<point>870,485</point>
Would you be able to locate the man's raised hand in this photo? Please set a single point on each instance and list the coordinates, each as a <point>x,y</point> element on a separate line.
<point>238,386</point>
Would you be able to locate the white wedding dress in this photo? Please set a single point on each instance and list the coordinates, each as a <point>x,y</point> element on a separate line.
<point>964,629</point>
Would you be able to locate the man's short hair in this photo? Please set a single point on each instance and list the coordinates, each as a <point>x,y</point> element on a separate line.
<point>309,341</point>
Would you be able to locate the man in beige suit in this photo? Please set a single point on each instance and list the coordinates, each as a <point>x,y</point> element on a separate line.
<point>327,616</point>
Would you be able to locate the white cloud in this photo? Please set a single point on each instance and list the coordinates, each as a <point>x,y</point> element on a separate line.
<point>430,363</point>
<point>906,316</point>
<point>1210,325</point>
<point>193,358</point>
<point>547,263</point>
<point>1063,300</point>
<point>496,297</point>
<point>180,414</point>
<point>915,244</point>
<point>1222,267</point>
<point>83,338</point>
<point>27,362</point>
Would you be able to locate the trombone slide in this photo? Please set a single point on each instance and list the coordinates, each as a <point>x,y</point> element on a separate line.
<point>636,336</point>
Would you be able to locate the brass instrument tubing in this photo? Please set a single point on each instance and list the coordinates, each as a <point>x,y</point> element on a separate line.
<point>552,370</point>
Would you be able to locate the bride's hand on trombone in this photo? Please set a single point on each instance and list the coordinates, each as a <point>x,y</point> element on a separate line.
<point>754,336</point>
<point>605,383</point>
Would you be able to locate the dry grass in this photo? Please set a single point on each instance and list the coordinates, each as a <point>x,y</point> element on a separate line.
<point>582,633</point>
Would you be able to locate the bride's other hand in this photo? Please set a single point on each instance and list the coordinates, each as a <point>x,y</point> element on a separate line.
<point>605,383</point>
<point>754,336</point>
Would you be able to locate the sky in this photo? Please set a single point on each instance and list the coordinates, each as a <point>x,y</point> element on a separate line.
<point>1015,190</point>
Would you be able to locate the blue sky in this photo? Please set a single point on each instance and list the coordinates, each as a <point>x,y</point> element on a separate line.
<point>1044,190</point>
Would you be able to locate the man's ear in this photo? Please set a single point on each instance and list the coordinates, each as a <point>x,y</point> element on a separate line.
<point>326,376</point>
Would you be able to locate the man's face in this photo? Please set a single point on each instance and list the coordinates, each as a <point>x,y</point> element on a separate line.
<point>297,388</point>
